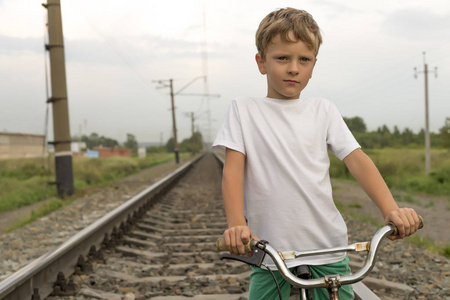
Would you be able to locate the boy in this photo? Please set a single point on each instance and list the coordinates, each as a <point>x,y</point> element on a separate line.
<point>276,183</point>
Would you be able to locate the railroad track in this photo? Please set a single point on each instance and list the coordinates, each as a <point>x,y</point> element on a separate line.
<point>158,245</point>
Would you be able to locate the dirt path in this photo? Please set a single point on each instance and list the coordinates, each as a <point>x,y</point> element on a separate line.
<point>434,209</point>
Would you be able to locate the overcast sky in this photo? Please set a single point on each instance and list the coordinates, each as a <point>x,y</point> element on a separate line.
<point>115,50</point>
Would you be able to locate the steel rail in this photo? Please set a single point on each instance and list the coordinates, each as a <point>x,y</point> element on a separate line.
<point>39,276</point>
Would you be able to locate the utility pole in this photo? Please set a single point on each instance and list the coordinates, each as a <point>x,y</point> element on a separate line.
<point>61,128</point>
<point>193,133</point>
<point>427,121</point>
<point>174,124</point>
<point>164,84</point>
<point>193,141</point>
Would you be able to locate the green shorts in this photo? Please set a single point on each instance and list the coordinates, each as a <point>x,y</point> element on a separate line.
<point>263,287</point>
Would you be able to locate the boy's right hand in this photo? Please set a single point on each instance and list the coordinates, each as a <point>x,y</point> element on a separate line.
<point>236,237</point>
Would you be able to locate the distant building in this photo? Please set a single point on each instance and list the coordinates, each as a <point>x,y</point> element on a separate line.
<point>92,153</point>
<point>111,152</point>
<point>79,149</point>
<point>17,145</point>
<point>142,152</point>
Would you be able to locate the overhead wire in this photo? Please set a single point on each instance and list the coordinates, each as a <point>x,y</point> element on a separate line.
<point>392,77</point>
<point>111,44</point>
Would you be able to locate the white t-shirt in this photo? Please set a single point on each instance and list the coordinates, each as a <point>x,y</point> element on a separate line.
<point>287,190</point>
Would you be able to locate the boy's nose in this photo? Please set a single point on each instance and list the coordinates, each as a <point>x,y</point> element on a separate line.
<point>292,68</point>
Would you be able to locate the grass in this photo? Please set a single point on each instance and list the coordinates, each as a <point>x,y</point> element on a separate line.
<point>19,190</point>
<point>89,172</point>
<point>52,205</point>
<point>404,169</point>
<point>25,181</point>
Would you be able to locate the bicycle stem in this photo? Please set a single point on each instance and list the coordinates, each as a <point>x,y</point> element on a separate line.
<point>357,247</point>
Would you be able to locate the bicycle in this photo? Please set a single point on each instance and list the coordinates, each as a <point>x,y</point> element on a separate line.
<point>331,282</point>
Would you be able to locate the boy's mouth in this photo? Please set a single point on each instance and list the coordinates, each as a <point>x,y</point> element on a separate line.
<point>291,81</point>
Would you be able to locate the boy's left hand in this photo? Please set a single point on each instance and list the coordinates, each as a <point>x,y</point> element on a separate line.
<point>406,220</point>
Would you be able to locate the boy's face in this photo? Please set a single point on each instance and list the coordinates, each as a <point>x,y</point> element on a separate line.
<point>288,65</point>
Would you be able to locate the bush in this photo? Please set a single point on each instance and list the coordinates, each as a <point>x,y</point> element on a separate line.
<point>405,169</point>
<point>437,182</point>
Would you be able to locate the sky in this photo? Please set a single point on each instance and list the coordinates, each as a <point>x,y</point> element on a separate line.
<point>117,52</point>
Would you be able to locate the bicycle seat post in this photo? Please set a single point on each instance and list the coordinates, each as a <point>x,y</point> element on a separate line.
<point>333,284</point>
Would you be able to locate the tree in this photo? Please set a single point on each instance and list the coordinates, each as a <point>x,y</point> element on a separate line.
<point>407,136</point>
<point>445,134</point>
<point>91,141</point>
<point>356,125</point>
<point>170,145</point>
<point>191,144</point>
<point>383,137</point>
<point>131,143</point>
<point>369,140</point>
<point>396,137</point>
<point>384,130</point>
<point>108,143</point>
<point>396,132</point>
<point>94,140</point>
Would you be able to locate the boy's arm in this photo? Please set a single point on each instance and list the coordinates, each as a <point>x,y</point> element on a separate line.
<point>238,233</point>
<point>369,178</point>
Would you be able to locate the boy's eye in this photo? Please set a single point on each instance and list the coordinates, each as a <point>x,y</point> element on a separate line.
<point>304,59</point>
<point>282,58</point>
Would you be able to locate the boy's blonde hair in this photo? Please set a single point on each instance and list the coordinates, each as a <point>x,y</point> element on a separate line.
<point>286,20</point>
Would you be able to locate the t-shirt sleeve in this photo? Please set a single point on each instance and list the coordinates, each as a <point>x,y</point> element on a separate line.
<point>230,134</point>
<point>340,139</point>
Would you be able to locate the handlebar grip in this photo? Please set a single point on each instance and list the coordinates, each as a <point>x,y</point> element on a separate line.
<point>222,246</point>
<point>395,232</point>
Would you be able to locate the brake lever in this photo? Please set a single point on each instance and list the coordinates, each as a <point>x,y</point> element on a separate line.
<point>255,260</point>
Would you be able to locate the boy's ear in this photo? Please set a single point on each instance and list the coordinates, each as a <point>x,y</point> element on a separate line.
<point>261,64</point>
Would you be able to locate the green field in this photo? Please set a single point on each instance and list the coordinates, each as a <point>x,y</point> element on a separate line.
<point>404,169</point>
<point>25,181</point>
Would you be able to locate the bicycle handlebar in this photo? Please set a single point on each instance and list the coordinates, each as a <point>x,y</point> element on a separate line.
<point>278,258</point>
